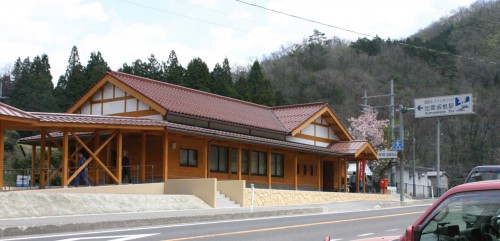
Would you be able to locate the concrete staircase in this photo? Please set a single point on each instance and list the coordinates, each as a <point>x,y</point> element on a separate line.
<point>224,202</point>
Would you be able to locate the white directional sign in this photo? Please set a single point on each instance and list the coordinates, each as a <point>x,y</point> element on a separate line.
<point>387,154</point>
<point>443,106</point>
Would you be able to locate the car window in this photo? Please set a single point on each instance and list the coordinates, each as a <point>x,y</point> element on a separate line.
<point>483,175</point>
<point>467,216</point>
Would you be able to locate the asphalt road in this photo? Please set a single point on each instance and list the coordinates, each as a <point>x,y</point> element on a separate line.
<point>339,226</point>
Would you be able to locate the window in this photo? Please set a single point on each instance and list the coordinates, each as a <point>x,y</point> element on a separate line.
<point>462,217</point>
<point>277,163</point>
<point>259,163</point>
<point>189,158</point>
<point>219,158</point>
<point>234,161</point>
<point>305,170</point>
<point>298,169</point>
<point>311,170</point>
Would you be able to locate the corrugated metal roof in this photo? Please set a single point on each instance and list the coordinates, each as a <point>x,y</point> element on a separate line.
<point>347,147</point>
<point>192,102</point>
<point>294,115</point>
<point>94,119</point>
<point>7,110</point>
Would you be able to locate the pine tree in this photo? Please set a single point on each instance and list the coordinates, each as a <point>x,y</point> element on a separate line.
<point>222,83</point>
<point>173,71</point>
<point>197,75</point>
<point>95,69</point>
<point>73,83</point>
<point>33,86</point>
<point>261,88</point>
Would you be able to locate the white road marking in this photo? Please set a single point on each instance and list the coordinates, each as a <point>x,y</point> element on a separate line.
<point>392,230</point>
<point>365,234</point>
<point>112,238</point>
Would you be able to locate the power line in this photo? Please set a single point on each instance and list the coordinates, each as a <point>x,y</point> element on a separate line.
<point>196,19</point>
<point>364,34</point>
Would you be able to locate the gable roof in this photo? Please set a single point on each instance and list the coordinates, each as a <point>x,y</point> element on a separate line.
<point>170,98</point>
<point>8,112</point>
<point>357,149</point>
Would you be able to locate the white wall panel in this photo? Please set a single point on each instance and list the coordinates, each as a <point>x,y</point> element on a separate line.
<point>299,140</point>
<point>131,105</point>
<point>322,144</point>
<point>108,91</point>
<point>96,109</point>
<point>119,92</point>
<point>86,109</point>
<point>318,120</point>
<point>322,131</point>
<point>143,106</point>
<point>332,135</point>
<point>309,130</point>
<point>154,117</point>
<point>114,107</point>
<point>97,95</point>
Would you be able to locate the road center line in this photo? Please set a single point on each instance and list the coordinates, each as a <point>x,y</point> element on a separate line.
<point>291,226</point>
<point>365,234</point>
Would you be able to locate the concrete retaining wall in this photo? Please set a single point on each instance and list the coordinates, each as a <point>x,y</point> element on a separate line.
<point>148,188</point>
<point>272,197</point>
<point>233,189</point>
<point>204,188</point>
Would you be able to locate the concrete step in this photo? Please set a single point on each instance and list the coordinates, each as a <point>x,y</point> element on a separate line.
<point>224,202</point>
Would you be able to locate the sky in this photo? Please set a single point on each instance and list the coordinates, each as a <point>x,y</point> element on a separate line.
<point>127,30</point>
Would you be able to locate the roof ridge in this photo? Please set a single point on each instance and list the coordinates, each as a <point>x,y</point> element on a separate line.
<point>94,116</point>
<point>12,108</point>
<point>190,89</point>
<point>299,105</point>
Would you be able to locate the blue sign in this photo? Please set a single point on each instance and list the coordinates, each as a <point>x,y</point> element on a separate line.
<point>398,145</point>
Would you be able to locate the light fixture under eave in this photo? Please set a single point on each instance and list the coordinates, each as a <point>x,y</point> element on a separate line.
<point>174,145</point>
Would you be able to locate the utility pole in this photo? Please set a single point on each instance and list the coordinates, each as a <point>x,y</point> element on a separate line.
<point>402,156</point>
<point>413,140</point>
<point>438,157</point>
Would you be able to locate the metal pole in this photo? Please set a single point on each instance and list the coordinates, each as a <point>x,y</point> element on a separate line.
<point>391,117</point>
<point>438,158</point>
<point>413,149</point>
<point>402,160</point>
<point>366,99</point>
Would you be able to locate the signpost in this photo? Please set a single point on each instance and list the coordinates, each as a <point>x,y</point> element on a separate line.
<point>387,154</point>
<point>443,106</point>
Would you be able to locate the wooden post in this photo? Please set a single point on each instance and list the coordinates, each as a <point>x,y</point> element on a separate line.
<point>269,168</point>
<point>96,165</point>
<point>165,155</point>
<point>119,155</point>
<point>33,158</point>
<point>205,159</point>
<point>49,163</point>
<point>239,161</point>
<point>344,170</point>
<point>2,155</point>
<point>295,163</point>
<point>357,176</point>
<point>43,143</point>
<point>65,159</point>
<point>319,173</point>
<point>108,160</point>
<point>143,157</point>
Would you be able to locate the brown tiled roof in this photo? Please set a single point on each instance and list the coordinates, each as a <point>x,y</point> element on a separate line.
<point>95,119</point>
<point>191,102</point>
<point>347,147</point>
<point>7,110</point>
<point>293,116</point>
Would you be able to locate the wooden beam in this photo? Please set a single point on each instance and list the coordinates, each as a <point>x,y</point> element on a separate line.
<point>64,149</point>
<point>239,161</point>
<point>119,154</point>
<point>143,156</point>
<point>295,163</point>
<point>319,173</point>
<point>205,159</point>
<point>49,164</point>
<point>165,155</point>
<point>43,136</point>
<point>2,154</point>
<point>93,156</point>
<point>33,158</point>
<point>269,176</point>
<point>96,165</point>
<point>54,141</point>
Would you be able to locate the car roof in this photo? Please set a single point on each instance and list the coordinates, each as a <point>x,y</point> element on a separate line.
<point>487,167</point>
<point>474,186</point>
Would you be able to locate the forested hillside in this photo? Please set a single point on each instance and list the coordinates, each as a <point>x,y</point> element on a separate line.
<point>458,54</point>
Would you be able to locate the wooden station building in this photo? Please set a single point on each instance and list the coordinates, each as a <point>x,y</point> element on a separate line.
<point>172,132</point>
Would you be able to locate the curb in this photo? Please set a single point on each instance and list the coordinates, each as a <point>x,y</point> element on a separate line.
<point>406,203</point>
<point>128,223</point>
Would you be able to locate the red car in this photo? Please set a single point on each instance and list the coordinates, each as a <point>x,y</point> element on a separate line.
<point>469,212</point>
